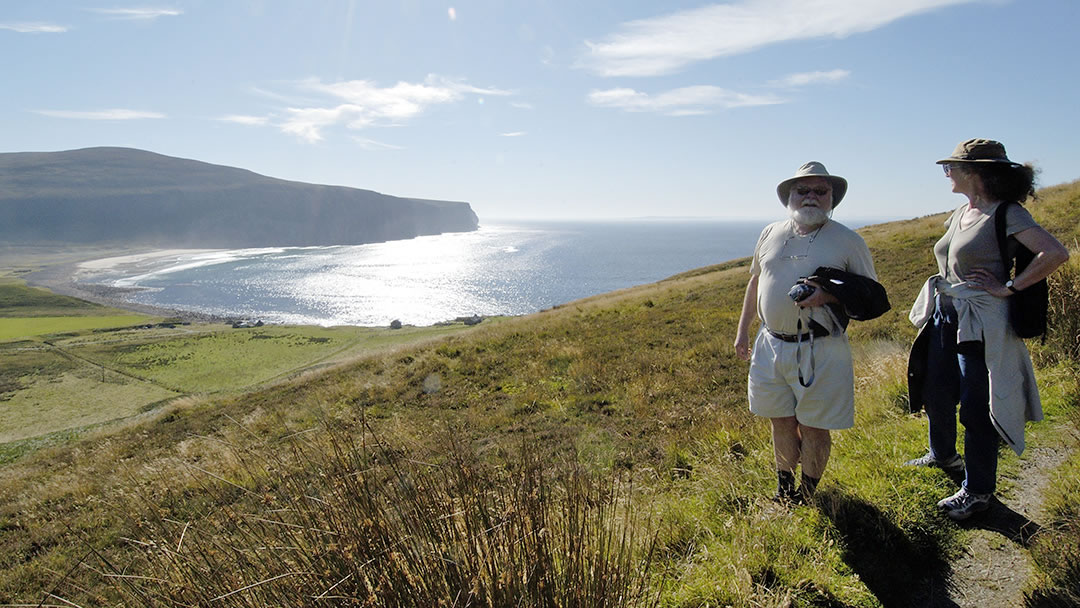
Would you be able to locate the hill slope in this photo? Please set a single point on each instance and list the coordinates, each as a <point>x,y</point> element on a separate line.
<point>641,383</point>
<point>136,197</point>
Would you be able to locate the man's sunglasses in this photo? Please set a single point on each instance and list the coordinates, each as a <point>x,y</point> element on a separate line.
<point>804,190</point>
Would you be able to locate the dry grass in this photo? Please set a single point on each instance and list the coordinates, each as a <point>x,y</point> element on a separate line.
<point>348,520</point>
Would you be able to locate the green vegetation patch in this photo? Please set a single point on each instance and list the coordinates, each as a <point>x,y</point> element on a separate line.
<point>219,360</point>
<point>74,398</point>
<point>21,360</point>
<point>235,358</point>
<point>18,300</point>
<point>13,328</point>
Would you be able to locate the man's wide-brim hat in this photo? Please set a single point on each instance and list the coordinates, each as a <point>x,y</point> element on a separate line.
<point>813,169</point>
<point>979,150</point>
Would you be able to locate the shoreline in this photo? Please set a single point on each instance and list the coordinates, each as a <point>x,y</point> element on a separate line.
<point>62,277</point>
<point>70,273</point>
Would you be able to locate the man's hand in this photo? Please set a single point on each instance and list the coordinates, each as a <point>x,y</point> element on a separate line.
<point>742,346</point>
<point>820,297</point>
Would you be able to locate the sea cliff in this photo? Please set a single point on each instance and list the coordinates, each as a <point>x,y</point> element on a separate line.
<point>135,197</point>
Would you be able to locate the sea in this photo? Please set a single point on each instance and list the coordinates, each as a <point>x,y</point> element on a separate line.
<point>506,268</point>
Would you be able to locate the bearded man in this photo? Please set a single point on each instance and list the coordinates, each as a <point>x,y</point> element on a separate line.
<point>808,276</point>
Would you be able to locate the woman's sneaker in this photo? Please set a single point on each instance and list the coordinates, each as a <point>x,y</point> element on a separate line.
<point>949,465</point>
<point>964,504</point>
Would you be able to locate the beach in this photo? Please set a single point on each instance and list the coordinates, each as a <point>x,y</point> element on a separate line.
<point>72,270</point>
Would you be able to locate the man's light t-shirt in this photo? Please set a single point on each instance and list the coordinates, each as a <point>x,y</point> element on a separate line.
<point>782,257</point>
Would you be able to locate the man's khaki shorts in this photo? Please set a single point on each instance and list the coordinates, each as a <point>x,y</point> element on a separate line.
<point>775,392</point>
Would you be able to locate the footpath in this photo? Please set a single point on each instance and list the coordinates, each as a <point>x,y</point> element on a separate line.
<point>996,564</point>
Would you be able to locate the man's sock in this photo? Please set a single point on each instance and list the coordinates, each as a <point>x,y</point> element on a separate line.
<point>808,485</point>
<point>785,484</point>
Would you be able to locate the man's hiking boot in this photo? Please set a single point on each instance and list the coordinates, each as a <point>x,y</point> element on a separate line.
<point>949,465</point>
<point>964,504</point>
<point>791,498</point>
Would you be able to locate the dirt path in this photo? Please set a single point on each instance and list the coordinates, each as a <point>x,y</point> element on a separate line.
<point>996,565</point>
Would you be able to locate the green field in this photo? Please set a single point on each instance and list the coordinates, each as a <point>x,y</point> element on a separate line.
<point>70,374</point>
<point>27,312</point>
<point>229,359</point>
<point>19,300</point>
<point>14,328</point>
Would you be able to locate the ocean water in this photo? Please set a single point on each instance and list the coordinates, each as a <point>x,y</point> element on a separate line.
<point>505,269</point>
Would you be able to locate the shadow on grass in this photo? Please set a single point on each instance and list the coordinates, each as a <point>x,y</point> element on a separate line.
<point>898,568</point>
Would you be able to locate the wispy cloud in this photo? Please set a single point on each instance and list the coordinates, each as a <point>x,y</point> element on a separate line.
<point>807,78</point>
<point>359,104</point>
<point>521,105</point>
<point>513,134</point>
<point>662,45</point>
<point>114,114</point>
<point>684,101</point>
<point>34,28</point>
<point>245,120</point>
<point>137,14</point>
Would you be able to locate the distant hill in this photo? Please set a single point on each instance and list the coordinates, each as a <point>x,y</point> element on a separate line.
<point>123,195</point>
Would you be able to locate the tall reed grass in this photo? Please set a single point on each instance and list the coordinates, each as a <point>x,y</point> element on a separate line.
<point>347,522</point>
<point>1063,316</point>
<point>1056,550</point>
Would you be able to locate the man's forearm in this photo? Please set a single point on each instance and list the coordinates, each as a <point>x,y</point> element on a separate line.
<point>749,306</point>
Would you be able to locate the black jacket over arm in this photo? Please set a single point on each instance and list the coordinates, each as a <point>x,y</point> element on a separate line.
<point>861,298</point>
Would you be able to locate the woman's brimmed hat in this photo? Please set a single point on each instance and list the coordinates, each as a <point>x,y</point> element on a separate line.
<point>813,169</point>
<point>979,150</point>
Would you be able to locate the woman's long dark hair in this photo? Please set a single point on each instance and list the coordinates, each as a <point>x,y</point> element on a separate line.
<point>1004,182</point>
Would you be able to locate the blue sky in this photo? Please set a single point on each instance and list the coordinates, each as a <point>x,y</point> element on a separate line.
<point>553,108</point>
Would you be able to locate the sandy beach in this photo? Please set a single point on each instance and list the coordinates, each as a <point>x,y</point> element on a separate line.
<point>71,271</point>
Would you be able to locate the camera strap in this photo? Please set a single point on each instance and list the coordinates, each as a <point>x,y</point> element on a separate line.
<point>798,351</point>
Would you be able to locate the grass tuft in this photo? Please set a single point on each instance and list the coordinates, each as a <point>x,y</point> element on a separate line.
<point>353,521</point>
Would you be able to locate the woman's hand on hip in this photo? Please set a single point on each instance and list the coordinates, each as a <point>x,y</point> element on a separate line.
<point>984,280</point>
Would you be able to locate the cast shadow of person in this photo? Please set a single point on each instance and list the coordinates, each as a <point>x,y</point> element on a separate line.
<point>1002,519</point>
<point>901,569</point>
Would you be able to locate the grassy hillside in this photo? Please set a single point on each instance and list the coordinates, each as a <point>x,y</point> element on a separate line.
<point>561,457</point>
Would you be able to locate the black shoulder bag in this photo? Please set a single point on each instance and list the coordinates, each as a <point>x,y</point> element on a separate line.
<point>1027,307</point>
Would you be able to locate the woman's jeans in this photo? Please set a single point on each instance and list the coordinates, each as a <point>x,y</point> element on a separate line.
<point>956,373</point>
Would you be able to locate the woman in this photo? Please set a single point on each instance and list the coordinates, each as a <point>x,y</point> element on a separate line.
<point>967,352</point>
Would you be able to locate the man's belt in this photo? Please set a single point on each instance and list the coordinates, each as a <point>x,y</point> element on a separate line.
<point>816,331</point>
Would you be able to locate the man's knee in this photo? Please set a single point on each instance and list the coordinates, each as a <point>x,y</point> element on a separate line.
<point>785,424</point>
<point>811,433</point>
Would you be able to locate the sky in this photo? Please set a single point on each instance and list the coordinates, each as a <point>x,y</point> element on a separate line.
<point>557,109</point>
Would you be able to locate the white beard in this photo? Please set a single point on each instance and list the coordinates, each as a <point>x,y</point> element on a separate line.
<point>809,217</point>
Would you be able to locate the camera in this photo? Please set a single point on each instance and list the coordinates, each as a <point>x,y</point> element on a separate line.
<point>801,291</point>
